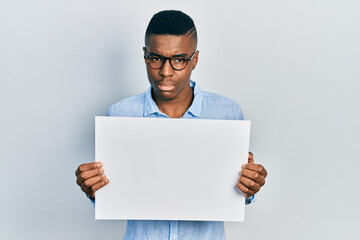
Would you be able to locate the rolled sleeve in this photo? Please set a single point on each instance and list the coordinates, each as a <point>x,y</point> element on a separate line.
<point>250,200</point>
<point>91,199</point>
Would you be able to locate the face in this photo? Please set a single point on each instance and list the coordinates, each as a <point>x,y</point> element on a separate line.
<point>167,83</point>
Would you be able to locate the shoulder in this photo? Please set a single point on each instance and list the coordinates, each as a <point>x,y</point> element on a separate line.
<point>221,107</point>
<point>219,100</point>
<point>128,107</point>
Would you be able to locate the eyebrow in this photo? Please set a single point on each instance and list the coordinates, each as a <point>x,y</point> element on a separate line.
<point>177,55</point>
<point>180,55</point>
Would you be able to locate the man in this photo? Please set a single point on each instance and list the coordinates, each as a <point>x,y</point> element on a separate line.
<point>170,56</point>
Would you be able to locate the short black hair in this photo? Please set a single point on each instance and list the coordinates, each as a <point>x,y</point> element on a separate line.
<point>171,22</point>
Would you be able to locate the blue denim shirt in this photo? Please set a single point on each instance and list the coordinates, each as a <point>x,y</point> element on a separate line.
<point>204,106</point>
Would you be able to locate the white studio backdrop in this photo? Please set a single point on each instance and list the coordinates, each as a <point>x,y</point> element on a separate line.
<point>292,65</point>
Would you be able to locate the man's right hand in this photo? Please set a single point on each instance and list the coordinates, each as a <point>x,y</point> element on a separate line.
<point>91,177</point>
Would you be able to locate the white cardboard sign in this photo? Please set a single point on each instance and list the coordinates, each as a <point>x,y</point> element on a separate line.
<point>171,169</point>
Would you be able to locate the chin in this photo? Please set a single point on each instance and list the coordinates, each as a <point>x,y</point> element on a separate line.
<point>166,97</point>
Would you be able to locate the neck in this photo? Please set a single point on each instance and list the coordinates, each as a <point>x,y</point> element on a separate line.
<point>177,107</point>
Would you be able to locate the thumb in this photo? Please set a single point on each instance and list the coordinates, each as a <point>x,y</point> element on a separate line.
<point>251,158</point>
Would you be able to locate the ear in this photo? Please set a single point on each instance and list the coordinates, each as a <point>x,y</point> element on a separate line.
<point>144,50</point>
<point>195,59</point>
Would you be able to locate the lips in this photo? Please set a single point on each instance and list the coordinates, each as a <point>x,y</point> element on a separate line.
<point>165,86</point>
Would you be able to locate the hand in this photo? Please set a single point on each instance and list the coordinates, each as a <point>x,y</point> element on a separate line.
<point>91,177</point>
<point>252,177</point>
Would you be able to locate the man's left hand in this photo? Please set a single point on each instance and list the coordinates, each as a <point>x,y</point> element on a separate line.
<point>252,177</point>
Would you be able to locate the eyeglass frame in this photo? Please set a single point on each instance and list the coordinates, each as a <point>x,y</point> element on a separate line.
<point>146,56</point>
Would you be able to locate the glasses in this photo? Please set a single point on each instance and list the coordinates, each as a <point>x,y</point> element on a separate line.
<point>177,62</point>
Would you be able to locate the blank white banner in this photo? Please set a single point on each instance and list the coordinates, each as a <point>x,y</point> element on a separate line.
<point>171,169</point>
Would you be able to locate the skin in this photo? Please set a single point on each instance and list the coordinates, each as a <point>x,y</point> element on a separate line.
<point>176,101</point>
<point>252,177</point>
<point>90,177</point>
<point>173,95</point>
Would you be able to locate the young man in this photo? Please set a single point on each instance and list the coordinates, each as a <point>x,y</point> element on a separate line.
<point>170,56</point>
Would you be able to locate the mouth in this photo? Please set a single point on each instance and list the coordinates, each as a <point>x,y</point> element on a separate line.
<point>165,86</point>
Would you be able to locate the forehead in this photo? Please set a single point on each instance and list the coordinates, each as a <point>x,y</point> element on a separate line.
<point>169,45</point>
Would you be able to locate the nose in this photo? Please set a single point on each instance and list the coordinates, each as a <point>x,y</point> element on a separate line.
<point>167,70</point>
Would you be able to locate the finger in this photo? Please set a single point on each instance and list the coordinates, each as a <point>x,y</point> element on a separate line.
<point>91,173</point>
<point>248,183</point>
<point>255,167</point>
<point>94,180</point>
<point>79,181</point>
<point>247,192</point>
<point>85,189</point>
<point>97,186</point>
<point>253,175</point>
<point>250,158</point>
<point>87,166</point>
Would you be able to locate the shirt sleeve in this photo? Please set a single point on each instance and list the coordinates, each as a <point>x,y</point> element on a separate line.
<point>239,115</point>
<point>108,113</point>
<point>250,200</point>
<point>91,199</point>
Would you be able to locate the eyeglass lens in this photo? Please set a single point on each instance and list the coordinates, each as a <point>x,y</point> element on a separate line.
<point>178,63</point>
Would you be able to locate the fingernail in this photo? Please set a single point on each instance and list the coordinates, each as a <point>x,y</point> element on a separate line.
<point>243,166</point>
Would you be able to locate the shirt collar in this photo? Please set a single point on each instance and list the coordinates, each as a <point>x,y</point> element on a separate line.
<point>195,108</point>
<point>150,106</point>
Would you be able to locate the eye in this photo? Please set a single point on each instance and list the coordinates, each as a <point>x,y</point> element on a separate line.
<point>155,58</point>
<point>179,60</point>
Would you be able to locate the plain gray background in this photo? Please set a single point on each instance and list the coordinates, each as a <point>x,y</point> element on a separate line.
<point>292,65</point>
